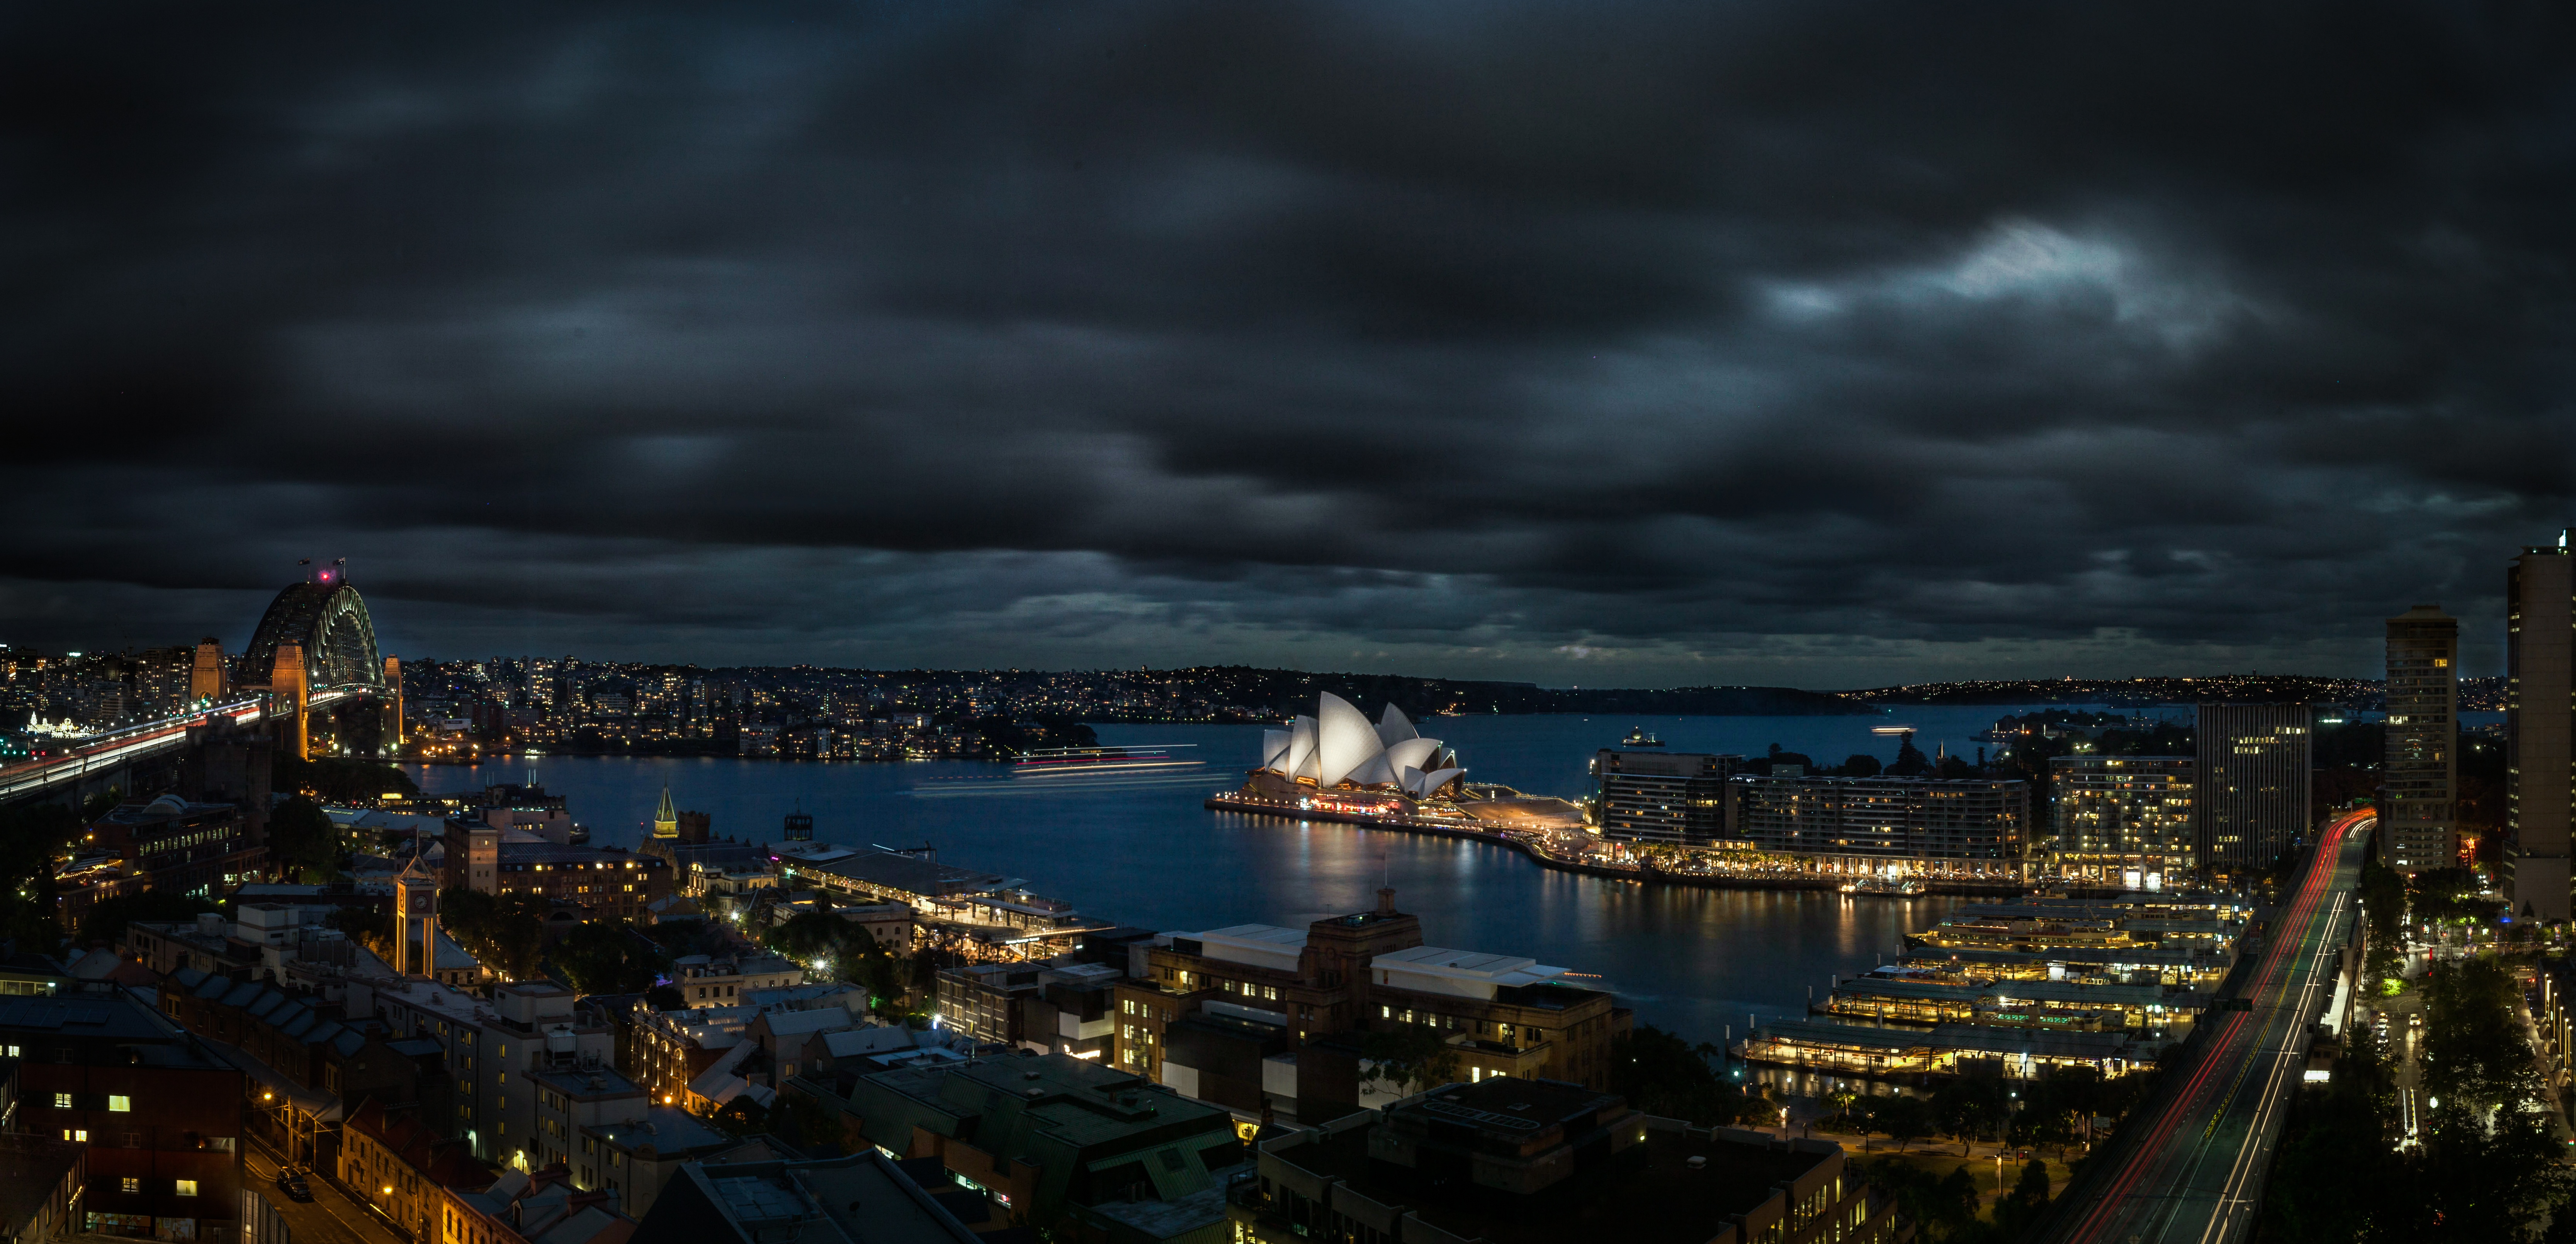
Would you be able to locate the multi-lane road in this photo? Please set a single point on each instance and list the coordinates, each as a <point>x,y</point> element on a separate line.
<point>2189,1169</point>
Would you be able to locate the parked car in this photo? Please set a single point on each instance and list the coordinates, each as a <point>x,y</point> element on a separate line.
<point>292,1182</point>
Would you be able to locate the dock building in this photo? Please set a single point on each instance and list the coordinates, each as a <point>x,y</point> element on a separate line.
<point>2020,988</point>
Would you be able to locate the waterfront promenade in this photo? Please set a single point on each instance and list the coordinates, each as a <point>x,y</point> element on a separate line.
<point>1536,844</point>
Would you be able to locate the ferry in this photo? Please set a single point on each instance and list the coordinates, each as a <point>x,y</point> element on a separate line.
<point>1879,885</point>
<point>1053,761</point>
<point>1639,736</point>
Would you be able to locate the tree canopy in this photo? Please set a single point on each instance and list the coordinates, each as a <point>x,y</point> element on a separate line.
<point>304,840</point>
<point>607,956</point>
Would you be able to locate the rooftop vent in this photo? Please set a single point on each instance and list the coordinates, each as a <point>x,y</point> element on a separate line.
<point>1697,1162</point>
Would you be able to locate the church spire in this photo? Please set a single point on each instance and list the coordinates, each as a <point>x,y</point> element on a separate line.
<point>666,822</point>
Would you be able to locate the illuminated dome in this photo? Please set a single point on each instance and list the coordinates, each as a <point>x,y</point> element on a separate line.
<point>1337,747</point>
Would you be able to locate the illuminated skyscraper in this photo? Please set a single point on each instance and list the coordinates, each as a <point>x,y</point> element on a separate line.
<point>2421,766</point>
<point>2540,634</point>
<point>2253,799</point>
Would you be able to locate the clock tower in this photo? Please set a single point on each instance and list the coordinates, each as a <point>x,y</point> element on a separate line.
<point>416,921</point>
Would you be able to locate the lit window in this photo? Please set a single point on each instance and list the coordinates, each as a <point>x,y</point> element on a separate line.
<point>62,1101</point>
<point>187,1187</point>
<point>119,1103</point>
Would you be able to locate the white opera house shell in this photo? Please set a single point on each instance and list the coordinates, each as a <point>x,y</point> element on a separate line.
<point>1338,748</point>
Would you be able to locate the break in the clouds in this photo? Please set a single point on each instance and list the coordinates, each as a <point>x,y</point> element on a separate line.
<point>1816,343</point>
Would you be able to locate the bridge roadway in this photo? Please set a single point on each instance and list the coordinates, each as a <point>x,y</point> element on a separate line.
<point>2190,1169</point>
<point>113,750</point>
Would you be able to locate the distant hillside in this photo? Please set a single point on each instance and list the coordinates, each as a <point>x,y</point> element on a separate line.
<point>1283,692</point>
<point>2132,692</point>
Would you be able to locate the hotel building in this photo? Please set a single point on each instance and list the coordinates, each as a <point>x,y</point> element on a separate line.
<point>2122,820</point>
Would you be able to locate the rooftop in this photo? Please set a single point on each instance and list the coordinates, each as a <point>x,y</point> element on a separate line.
<point>1661,1201</point>
<point>861,1199</point>
<point>31,1169</point>
<point>593,1082</point>
<point>667,1129</point>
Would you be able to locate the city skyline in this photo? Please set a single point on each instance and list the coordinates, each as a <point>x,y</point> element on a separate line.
<point>1653,347</point>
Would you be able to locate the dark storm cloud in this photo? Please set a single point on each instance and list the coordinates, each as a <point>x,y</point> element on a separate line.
<point>1820,342</point>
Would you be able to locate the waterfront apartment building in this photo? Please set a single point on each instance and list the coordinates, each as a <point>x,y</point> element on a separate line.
<point>1667,798</point>
<point>2122,820</point>
<point>2540,728</point>
<point>2253,799</point>
<point>2420,770</point>
<point>1881,826</point>
<point>1259,1016</point>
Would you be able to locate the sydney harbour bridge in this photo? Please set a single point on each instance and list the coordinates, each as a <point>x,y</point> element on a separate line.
<point>312,675</point>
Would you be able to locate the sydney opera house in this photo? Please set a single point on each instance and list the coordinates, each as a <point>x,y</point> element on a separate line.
<point>1338,750</point>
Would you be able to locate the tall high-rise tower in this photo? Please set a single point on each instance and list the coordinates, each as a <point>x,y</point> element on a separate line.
<point>2539,720</point>
<point>206,676</point>
<point>416,921</point>
<point>2253,775</point>
<point>666,819</point>
<point>2421,767</point>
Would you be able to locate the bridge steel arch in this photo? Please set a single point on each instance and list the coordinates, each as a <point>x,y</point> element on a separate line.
<point>329,620</point>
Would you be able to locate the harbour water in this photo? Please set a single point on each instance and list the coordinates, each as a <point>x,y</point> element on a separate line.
<point>1137,848</point>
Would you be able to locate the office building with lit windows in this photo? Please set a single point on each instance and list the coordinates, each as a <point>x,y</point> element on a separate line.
<point>2540,729</point>
<point>2121,820</point>
<point>2420,771</point>
<point>2253,800</point>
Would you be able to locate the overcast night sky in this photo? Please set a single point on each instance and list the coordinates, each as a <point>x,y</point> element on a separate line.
<point>1814,343</point>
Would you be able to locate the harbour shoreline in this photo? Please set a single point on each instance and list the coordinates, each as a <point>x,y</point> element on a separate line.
<point>1547,859</point>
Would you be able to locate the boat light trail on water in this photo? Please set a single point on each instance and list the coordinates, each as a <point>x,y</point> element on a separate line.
<point>1105,782</point>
